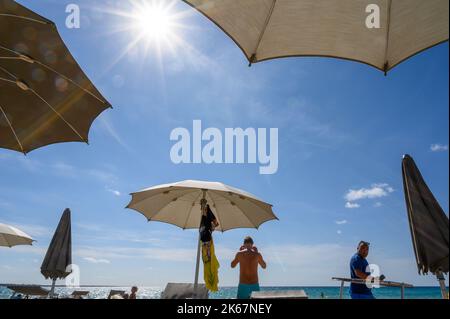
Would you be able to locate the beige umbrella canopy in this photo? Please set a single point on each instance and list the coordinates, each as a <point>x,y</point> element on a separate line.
<point>268,29</point>
<point>45,97</point>
<point>179,204</point>
<point>11,236</point>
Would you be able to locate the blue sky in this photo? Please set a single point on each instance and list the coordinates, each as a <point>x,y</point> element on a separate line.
<point>343,128</point>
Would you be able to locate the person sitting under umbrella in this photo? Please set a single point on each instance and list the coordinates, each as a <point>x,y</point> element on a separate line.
<point>207,225</point>
<point>134,290</point>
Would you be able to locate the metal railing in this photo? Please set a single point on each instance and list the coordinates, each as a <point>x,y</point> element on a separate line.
<point>383,283</point>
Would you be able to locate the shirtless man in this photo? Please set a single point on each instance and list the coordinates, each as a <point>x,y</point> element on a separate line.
<point>249,258</point>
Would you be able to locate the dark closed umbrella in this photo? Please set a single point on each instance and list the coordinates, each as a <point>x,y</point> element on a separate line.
<point>59,253</point>
<point>45,97</point>
<point>428,223</point>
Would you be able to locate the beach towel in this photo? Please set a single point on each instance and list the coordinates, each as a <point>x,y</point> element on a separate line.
<point>210,268</point>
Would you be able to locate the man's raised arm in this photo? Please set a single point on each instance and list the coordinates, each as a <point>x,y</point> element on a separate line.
<point>235,261</point>
<point>261,261</point>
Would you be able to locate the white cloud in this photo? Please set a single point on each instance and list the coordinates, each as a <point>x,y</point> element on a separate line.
<point>32,230</point>
<point>378,204</point>
<point>163,254</point>
<point>35,250</point>
<point>96,261</point>
<point>4,156</point>
<point>376,191</point>
<point>352,205</point>
<point>341,222</point>
<point>96,233</point>
<point>114,191</point>
<point>64,169</point>
<point>100,175</point>
<point>89,227</point>
<point>339,232</point>
<point>439,148</point>
<point>5,204</point>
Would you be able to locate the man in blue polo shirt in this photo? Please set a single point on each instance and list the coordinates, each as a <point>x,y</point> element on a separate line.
<point>359,269</point>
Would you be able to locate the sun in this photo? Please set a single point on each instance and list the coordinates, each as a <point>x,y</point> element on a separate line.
<point>150,30</point>
<point>154,22</point>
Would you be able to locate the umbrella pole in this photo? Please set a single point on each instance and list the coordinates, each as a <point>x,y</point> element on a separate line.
<point>440,277</point>
<point>197,268</point>
<point>52,291</point>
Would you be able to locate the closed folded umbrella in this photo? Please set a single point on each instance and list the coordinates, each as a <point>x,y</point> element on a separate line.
<point>59,253</point>
<point>11,236</point>
<point>428,223</point>
<point>180,204</point>
<point>268,29</point>
<point>45,97</point>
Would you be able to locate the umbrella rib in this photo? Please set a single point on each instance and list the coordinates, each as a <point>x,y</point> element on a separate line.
<point>259,207</point>
<point>12,129</point>
<point>6,241</point>
<point>409,210</point>
<point>263,31</point>
<point>53,70</point>
<point>71,81</point>
<point>218,215</point>
<point>9,73</point>
<point>156,194</point>
<point>388,32</point>
<point>251,223</point>
<point>255,202</point>
<point>22,17</point>
<point>58,114</point>
<point>8,58</point>
<point>7,80</point>
<point>48,104</point>
<point>190,211</point>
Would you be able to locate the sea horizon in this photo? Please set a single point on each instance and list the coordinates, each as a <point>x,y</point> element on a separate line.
<point>230,292</point>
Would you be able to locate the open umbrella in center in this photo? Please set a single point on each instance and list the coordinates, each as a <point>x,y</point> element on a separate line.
<point>180,204</point>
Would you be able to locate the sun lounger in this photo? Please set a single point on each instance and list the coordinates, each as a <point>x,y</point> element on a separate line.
<point>184,291</point>
<point>79,294</point>
<point>116,293</point>
<point>279,294</point>
<point>28,291</point>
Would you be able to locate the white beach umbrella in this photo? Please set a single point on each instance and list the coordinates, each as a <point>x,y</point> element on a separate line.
<point>179,204</point>
<point>11,236</point>
<point>380,33</point>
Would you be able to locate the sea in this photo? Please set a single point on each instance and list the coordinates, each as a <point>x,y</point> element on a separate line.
<point>230,292</point>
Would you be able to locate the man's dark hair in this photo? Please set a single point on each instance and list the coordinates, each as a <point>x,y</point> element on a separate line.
<point>363,243</point>
<point>248,240</point>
